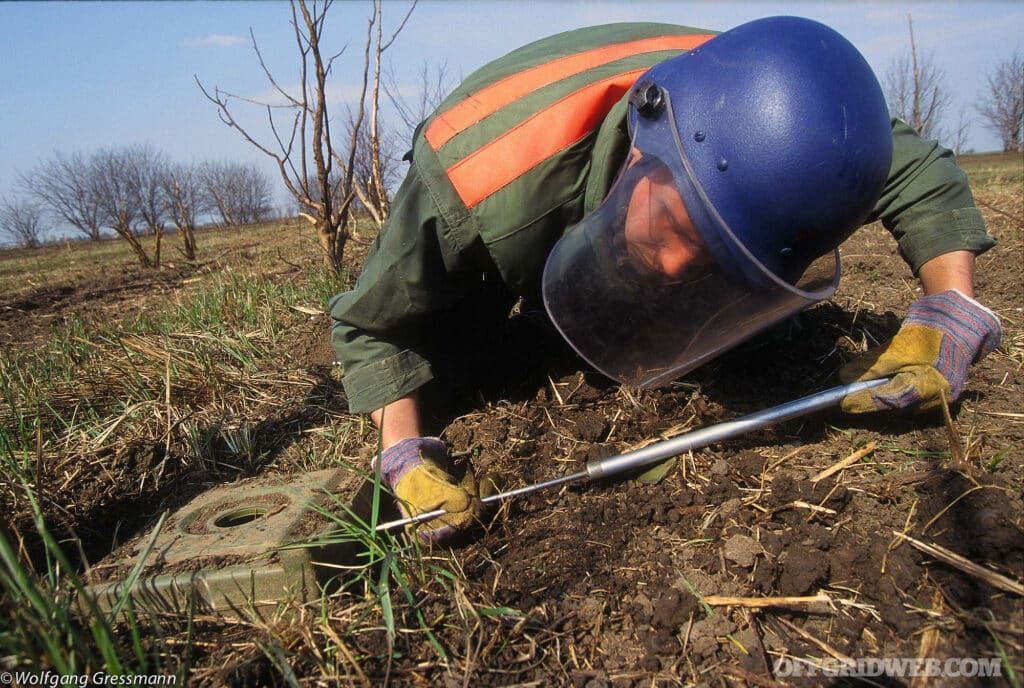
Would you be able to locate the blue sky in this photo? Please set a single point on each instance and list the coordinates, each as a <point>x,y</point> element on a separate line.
<point>81,76</point>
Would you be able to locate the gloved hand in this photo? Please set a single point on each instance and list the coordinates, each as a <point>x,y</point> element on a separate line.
<point>942,335</point>
<point>416,471</point>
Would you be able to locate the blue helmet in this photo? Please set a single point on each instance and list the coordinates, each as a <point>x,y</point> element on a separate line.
<point>787,135</point>
<point>753,157</point>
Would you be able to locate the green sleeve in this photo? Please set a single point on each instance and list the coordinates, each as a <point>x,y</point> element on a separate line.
<point>409,274</point>
<point>927,203</point>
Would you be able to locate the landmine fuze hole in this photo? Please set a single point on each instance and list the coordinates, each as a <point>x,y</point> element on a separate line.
<point>239,517</point>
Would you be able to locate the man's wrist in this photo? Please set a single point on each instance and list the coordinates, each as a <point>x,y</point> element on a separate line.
<point>399,420</point>
<point>954,270</point>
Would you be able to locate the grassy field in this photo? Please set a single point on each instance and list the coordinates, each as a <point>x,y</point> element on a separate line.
<point>181,364</point>
<point>125,392</point>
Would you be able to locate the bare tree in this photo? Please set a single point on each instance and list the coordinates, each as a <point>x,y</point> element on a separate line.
<point>412,109</point>
<point>314,183</point>
<point>146,170</point>
<point>183,203</point>
<point>958,136</point>
<point>255,195</point>
<point>1003,106</point>
<point>218,181</point>
<point>373,191</point>
<point>432,88</point>
<point>22,221</point>
<point>916,90</point>
<point>119,200</point>
<point>376,174</point>
<point>235,193</point>
<point>65,185</point>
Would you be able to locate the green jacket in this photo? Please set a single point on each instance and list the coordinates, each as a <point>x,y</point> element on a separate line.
<point>522,150</point>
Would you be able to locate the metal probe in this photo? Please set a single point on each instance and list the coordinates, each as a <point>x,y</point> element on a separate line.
<point>638,458</point>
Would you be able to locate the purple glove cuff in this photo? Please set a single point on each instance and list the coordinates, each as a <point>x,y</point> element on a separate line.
<point>970,332</point>
<point>399,459</point>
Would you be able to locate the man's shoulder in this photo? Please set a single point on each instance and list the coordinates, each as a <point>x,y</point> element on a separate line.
<point>572,42</point>
<point>605,34</point>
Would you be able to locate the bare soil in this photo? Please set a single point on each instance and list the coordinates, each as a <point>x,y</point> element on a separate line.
<point>609,583</point>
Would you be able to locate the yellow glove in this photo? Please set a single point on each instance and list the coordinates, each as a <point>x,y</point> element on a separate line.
<point>416,471</point>
<point>928,359</point>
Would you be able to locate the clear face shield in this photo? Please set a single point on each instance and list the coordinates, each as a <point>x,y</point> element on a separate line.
<point>654,283</point>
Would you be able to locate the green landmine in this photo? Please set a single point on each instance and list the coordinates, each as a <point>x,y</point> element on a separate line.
<point>253,546</point>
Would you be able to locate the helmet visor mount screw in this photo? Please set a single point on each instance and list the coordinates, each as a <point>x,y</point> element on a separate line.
<point>647,98</point>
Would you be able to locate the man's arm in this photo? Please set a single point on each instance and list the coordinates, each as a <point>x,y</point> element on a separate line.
<point>380,326</point>
<point>378,334</point>
<point>927,203</point>
<point>929,208</point>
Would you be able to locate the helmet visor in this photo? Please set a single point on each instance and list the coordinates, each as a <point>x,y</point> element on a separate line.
<point>653,283</point>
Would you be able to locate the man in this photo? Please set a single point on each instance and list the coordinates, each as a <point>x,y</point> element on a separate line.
<point>668,193</point>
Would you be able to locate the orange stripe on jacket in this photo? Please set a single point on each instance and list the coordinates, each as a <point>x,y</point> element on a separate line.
<point>492,98</point>
<point>530,143</point>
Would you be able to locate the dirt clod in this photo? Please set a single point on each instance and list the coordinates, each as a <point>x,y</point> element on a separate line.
<point>742,549</point>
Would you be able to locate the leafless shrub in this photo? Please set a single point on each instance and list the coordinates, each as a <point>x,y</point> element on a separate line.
<point>434,85</point>
<point>114,171</point>
<point>183,202</point>
<point>234,193</point>
<point>146,172</point>
<point>1002,108</point>
<point>66,187</point>
<point>22,221</point>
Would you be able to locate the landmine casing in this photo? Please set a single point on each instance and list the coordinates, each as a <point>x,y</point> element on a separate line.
<point>228,551</point>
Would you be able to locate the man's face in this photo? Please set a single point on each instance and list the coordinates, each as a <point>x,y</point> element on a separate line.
<point>659,233</point>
